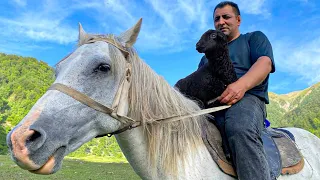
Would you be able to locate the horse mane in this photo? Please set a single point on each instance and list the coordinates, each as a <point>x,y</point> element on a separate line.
<point>152,98</point>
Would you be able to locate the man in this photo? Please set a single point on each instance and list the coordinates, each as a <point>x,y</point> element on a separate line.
<point>243,122</point>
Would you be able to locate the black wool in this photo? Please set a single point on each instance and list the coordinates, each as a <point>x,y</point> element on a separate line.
<point>210,80</point>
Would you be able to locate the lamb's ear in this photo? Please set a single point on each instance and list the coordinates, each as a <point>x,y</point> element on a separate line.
<point>82,35</point>
<point>129,37</point>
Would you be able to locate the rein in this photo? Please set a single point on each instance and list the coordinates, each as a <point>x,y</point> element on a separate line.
<point>119,108</point>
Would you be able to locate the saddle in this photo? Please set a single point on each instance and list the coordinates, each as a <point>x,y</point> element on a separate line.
<point>283,155</point>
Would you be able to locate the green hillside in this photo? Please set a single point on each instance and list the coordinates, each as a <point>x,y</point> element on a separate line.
<point>298,109</point>
<point>23,80</point>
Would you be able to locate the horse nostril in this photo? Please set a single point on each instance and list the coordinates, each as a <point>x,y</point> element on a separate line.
<point>34,136</point>
<point>36,140</point>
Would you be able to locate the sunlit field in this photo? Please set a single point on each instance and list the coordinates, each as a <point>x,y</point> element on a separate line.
<point>71,169</point>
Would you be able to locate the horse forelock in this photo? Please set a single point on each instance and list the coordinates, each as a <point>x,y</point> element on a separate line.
<point>151,98</point>
<point>90,37</point>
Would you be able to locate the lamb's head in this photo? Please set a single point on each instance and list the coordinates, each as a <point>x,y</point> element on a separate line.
<point>211,41</point>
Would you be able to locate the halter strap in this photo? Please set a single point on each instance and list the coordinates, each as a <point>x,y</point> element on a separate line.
<point>86,100</point>
<point>113,42</point>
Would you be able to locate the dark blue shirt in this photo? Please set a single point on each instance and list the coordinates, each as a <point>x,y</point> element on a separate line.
<point>244,52</point>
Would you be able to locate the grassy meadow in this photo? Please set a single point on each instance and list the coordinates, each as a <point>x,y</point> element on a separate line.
<point>71,169</point>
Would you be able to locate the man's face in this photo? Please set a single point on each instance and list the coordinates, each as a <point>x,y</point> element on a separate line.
<point>226,21</point>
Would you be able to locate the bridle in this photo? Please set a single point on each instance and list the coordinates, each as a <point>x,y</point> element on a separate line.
<point>120,106</point>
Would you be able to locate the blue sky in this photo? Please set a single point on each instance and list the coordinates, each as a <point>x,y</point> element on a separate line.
<point>48,30</point>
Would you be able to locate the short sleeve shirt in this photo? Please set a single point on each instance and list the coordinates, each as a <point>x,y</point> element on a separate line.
<point>244,52</point>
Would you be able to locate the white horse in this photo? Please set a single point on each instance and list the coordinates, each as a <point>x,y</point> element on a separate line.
<point>124,93</point>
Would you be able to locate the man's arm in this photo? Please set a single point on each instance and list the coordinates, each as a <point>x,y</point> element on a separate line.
<point>256,74</point>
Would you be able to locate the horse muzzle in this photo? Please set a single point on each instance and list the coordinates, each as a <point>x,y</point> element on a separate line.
<point>25,143</point>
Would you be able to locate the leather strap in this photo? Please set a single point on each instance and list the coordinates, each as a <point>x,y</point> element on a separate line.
<point>84,99</point>
<point>112,42</point>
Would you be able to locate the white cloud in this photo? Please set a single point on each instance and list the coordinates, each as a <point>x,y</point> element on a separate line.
<point>179,22</point>
<point>301,60</point>
<point>20,47</point>
<point>42,23</point>
<point>181,13</point>
<point>49,20</point>
<point>255,7</point>
<point>38,29</point>
<point>119,7</point>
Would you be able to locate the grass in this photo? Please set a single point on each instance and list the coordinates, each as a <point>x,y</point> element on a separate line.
<point>108,159</point>
<point>71,169</point>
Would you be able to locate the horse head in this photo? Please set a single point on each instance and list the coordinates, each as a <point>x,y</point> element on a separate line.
<point>59,123</point>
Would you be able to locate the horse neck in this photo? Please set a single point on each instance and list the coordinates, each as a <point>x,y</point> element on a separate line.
<point>133,144</point>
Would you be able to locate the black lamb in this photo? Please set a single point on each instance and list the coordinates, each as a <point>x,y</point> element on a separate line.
<point>210,80</point>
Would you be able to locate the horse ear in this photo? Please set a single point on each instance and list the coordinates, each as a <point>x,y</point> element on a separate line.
<point>129,37</point>
<point>82,35</point>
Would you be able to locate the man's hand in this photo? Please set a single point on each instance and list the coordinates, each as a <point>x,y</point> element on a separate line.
<point>256,74</point>
<point>233,93</point>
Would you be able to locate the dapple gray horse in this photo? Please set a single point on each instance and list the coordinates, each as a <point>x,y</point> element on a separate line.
<point>104,87</point>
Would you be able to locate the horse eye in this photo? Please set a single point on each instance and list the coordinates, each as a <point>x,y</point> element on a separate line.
<point>103,68</point>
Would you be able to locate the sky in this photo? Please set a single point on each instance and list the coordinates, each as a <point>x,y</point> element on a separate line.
<point>48,31</point>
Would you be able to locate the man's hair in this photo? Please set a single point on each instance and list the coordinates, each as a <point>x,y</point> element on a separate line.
<point>225,3</point>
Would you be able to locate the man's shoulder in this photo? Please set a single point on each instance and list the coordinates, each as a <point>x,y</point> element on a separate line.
<point>248,35</point>
<point>256,36</point>
<point>251,35</point>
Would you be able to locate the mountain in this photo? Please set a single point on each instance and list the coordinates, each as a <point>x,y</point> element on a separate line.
<point>23,80</point>
<point>297,109</point>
